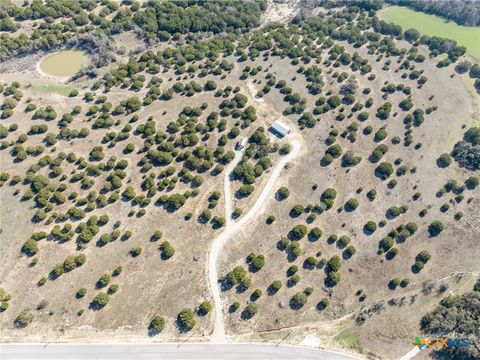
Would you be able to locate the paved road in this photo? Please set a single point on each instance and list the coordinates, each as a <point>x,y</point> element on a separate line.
<point>233,227</point>
<point>163,352</point>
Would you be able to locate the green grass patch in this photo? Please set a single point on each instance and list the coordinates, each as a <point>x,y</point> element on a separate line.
<point>59,89</point>
<point>468,36</point>
<point>349,339</point>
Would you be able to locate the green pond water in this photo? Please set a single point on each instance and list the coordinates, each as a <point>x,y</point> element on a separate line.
<point>64,63</point>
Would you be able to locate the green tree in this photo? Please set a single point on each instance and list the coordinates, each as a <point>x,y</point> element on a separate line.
<point>24,318</point>
<point>298,300</point>
<point>283,193</point>
<point>205,307</point>
<point>298,231</point>
<point>30,247</point>
<point>167,250</point>
<point>384,170</point>
<point>100,301</point>
<point>157,324</point>
<point>103,280</point>
<point>334,263</point>
<point>250,310</point>
<point>435,228</point>
<point>186,319</point>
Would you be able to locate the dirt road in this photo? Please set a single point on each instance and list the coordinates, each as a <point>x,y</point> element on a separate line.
<point>232,227</point>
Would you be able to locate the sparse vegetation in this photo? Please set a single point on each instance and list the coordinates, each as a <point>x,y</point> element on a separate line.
<point>115,184</point>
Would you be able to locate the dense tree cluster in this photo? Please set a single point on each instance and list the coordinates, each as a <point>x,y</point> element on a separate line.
<point>467,151</point>
<point>163,19</point>
<point>456,315</point>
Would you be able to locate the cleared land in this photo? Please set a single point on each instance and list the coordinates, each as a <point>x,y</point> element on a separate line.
<point>120,221</point>
<point>432,25</point>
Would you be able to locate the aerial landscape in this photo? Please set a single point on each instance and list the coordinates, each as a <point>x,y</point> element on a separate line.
<point>297,174</point>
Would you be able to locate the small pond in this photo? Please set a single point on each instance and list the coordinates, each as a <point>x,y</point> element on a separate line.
<point>64,63</point>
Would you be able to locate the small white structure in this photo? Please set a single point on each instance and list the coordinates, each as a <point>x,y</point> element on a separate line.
<point>280,128</point>
<point>240,144</point>
<point>310,341</point>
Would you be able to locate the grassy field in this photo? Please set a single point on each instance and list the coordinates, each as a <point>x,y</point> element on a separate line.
<point>434,26</point>
<point>59,89</point>
<point>349,339</point>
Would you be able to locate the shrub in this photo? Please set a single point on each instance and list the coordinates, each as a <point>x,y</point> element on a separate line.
<point>245,283</point>
<point>157,324</point>
<point>30,247</point>
<point>392,284</point>
<point>236,275</point>
<point>463,67</point>
<point>323,304</point>
<point>275,286</point>
<point>234,307</point>
<point>80,259</point>
<point>423,256</point>
<point>296,211</point>
<point>476,287</point>
<point>24,318</point>
<point>334,263</point>
<point>250,310</point>
<point>294,280</point>
<point>370,227</point>
<point>332,279</point>
<point>310,262</point>
<point>257,262</point>
<point>380,135</point>
<point>472,182</point>
<point>385,244</point>
<point>329,193</point>
<point>136,251</point>
<point>444,161</point>
<point>372,194</point>
<point>435,228</point>
<point>186,319</point>
<point>101,300</point>
<point>256,294</point>
<point>418,266</point>
<point>81,293</point>
<point>350,251</point>
<point>157,235</point>
<point>113,289</point>
<point>103,281</point>
<point>167,250</point>
<point>351,204</point>
<point>285,149</point>
<point>298,232</point>
<point>392,253</point>
<point>343,241</point>
<point>283,193</point>
<point>205,307</point>
<point>298,300</point>
<point>384,170</point>
<point>292,270</point>
<point>237,213</point>
<point>117,271</point>
<point>315,234</point>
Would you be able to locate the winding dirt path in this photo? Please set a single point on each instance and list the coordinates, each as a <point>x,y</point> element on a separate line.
<point>233,227</point>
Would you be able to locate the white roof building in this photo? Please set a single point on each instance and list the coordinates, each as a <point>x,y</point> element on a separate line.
<point>280,128</point>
